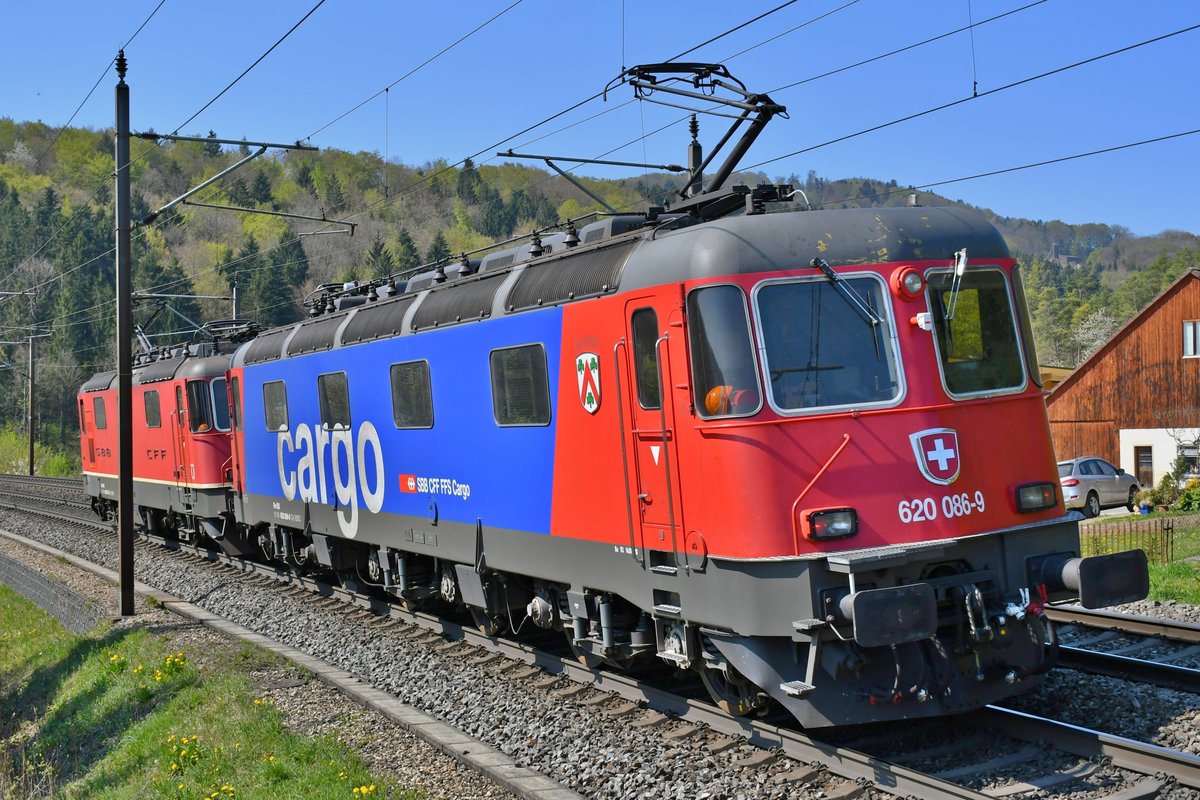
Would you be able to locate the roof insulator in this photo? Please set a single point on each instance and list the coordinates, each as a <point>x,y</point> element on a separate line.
<point>372,295</point>
<point>572,237</point>
<point>536,248</point>
<point>329,306</point>
<point>439,272</point>
<point>465,264</point>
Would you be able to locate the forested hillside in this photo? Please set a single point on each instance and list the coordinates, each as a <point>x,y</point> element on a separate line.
<point>56,240</point>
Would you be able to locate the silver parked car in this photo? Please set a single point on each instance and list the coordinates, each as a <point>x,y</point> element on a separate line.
<point>1091,483</point>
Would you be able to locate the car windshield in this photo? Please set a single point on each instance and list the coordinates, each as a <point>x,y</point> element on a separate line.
<point>1064,469</point>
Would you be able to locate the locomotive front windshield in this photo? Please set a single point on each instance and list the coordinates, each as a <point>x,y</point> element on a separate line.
<point>978,346</point>
<point>820,351</point>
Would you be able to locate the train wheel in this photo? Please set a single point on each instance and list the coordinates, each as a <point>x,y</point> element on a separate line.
<point>730,690</point>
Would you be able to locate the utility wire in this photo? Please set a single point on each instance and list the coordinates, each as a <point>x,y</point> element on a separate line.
<point>1033,165</point>
<point>417,68</point>
<point>968,98</point>
<point>734,29</point>
<point>111,61</point>
<point>66,125</point>
<point>252,66</point>
<point>906,48</point>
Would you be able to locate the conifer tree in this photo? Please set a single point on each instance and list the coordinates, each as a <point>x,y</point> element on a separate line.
<point>407,255</point>
<point>335,201</point>
<point>212,147</point>
<point>379,261</point>
<point>260,190</point>
<point>239,195</point>
<point>438,248</point>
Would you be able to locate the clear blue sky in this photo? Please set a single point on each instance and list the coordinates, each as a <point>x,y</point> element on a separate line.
<point>542,56</point>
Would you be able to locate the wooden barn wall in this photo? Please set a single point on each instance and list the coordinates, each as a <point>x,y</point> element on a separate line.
<point>1139,381</point>
<point>1073,439</point>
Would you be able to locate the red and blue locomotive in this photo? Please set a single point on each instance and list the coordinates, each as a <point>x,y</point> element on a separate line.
<point>803,454</point>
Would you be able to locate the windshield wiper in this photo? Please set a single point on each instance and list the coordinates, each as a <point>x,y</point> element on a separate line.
<point>852,297</point>
<point>864,309</point>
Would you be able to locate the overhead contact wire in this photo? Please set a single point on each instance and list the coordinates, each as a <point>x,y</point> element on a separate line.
<point>968,98</point>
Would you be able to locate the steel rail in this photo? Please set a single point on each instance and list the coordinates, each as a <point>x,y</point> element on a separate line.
<point>1126,623</point>
<point>1147,759</point>
<point>5,492</point>
<point>1114,665</point>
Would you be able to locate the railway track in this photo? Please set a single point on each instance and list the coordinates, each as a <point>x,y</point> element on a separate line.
<point>1016,761</point>
<point>1150,650</point>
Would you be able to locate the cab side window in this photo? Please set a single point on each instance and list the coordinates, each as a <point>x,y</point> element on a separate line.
<point>723,369</point>
<point>98,414</point>
<point>412,396</point>
<point>153,410</point>
<point>645,357</point>
<point>199,405</point>
<point>275,406</point>
<point>520,388</point>
<point>334,395</point>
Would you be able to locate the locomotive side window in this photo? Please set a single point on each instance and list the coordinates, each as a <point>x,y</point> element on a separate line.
<point>220,404</point>
<point>275,405</point>
<point>645,357</point>
<point>723,370</point>
<point>412,395</point>
<point>98,413</point>
<point>520,388</point>
<point>819,350</point>
<point>978,347</point>
<point>82,419</point>
<point>153,411</point>
<point>235,402</point>
<point>334,395</point>
<point>199,405</point>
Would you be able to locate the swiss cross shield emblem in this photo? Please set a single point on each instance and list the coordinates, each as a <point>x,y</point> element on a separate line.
<point>587,369</point>
<point>937,455</point>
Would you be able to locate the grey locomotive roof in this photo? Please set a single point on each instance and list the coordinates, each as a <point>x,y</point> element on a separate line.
<point>637,257</point>
<point>99,382</point>
<point>184,367</point>
<point>767,242</point>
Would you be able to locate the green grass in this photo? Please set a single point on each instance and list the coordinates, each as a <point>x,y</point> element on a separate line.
<point>122,714</point>
<point>1179,581</point>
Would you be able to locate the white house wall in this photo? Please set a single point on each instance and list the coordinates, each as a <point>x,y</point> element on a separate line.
<point>1165,447</point>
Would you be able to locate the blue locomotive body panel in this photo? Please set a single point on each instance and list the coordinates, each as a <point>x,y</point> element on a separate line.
<point>467,464</point>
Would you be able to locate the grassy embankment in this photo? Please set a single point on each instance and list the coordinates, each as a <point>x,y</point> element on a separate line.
<point>122,713</point>
<point>1178,580</point>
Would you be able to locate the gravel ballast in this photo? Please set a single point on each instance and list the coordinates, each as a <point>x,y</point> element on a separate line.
<point>590,752</point>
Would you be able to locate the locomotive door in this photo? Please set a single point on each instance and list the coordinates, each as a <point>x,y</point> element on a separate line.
<point>233,384</point>
<point>180,438</point>
<point>85,428</point>
<point>652,464</point>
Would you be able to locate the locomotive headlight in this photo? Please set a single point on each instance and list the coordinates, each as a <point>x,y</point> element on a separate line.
<point>907,283</point>
<point>1036,497</point>
<point>829,523</point>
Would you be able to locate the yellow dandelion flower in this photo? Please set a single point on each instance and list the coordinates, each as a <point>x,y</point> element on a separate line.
<point>174,767</point>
